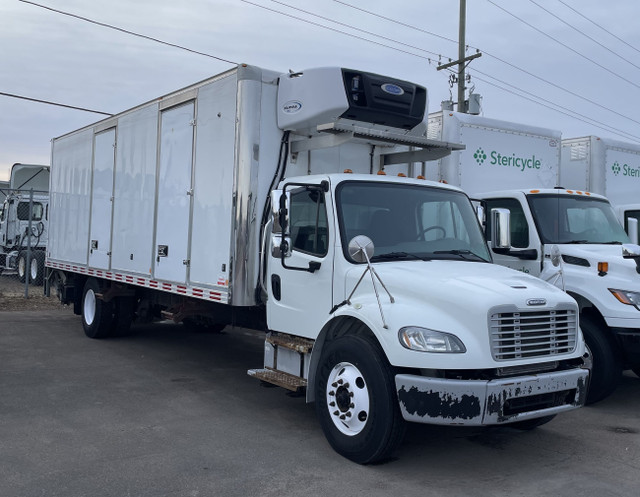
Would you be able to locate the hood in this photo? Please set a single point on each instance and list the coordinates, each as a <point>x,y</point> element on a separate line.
<point>450,284</point>
<point>576,255</point>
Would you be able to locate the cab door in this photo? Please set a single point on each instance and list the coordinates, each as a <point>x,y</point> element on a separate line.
<point>300,284</point>
<point>525,252</point>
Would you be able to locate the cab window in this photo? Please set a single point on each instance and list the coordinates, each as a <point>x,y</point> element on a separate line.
<point>308,220</point>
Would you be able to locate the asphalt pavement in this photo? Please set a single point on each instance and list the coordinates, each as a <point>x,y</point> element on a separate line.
<point>167,413</point>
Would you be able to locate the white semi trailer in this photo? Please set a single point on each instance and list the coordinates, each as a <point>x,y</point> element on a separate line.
<point>24,220</point>
<point>227,203</point>
<point>605,166</point>
<point>570,237</point>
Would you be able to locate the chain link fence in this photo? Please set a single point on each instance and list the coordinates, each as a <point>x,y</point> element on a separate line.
<point>24,223</point>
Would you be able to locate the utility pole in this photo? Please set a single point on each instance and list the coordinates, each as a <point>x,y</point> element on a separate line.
<point>461,50</point>
<point>462,60</point>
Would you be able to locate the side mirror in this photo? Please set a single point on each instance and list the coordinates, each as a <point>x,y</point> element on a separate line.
<point>279,211</point>
<point>500,228</point>
<point>480,214</point>
<point>361,248</point>
<point>632,230</point>
<point>280,242</point>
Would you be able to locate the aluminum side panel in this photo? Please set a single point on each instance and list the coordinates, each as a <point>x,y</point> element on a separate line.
<point>174,185</point>
<point>135,186</point>
<point>101,203</point>
<point>213,182</point>
<point>70,197</point>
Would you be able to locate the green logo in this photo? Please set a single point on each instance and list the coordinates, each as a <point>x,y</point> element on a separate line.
<point>616,168</point>
<point>480,156</point>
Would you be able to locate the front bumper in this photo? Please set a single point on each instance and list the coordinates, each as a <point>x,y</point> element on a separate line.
<point>478,402</point>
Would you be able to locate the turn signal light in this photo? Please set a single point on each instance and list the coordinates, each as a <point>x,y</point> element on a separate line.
<point>603,268</point>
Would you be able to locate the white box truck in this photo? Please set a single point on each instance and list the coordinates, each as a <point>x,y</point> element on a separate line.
<point>227,203</point>
<point>605,166</point>
<point>24,220</point>
<point>568,237</point>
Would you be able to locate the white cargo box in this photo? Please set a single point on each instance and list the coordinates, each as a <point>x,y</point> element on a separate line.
<point>499,155</point>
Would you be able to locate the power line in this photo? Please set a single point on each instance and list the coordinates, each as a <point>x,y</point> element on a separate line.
<point>122,30</point>
<point>598,25</point>
<point>563,44</point>
<point>11,95</point>
<point>351,26</point>
<point>337,30</point>
<point>528,73</point>
<point>589,121</point>
<point>583,34</point>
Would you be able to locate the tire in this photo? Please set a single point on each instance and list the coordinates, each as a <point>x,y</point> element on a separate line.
<point>36,272</point>
<point>530,424</point>
<point>97,315</point>
<point>356,400</point>
<point>607,367</point>
<point>22,267</point>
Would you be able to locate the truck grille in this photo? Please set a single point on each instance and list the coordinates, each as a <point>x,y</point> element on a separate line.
<point>525,334</point>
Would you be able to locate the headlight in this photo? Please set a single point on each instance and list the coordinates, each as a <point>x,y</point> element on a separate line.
<point>426,340</point>
<point>626,297</point>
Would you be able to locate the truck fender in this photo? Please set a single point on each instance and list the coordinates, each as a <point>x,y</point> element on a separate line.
<point>340,325</point>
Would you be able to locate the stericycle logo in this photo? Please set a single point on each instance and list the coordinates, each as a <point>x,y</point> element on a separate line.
<point>625,169</point>
<point>500,159</point>
<point>480,156</point>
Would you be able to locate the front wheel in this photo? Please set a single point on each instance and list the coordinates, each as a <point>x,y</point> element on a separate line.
<point>607,368</point>
<point>22,266</point>
<point>356,400</point>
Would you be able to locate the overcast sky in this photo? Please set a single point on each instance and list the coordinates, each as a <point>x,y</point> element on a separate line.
<point>577,58</point>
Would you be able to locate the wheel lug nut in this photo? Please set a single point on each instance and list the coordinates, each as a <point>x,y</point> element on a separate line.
<point>335,413</point>
<point>340,381</point>
<point>351,406</point>
<point>342,417</point>
<point>334,385</point>
<point>332,393</point>
<point>332,404</point>
<point>348,414</point>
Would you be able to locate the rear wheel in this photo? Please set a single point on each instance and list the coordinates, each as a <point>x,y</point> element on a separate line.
<point>97,315</point>
<point>607,367</point>
<point>36,268</point>
<point>356,400</point>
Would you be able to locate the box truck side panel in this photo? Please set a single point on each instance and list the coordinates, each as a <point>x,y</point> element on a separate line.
<point>575,169</point>
<point>134,192</point>
<point>213,182</point>
<point>622,176</point>
<point>174,192</point>
<point>101,203</point>
<point>70,197</point>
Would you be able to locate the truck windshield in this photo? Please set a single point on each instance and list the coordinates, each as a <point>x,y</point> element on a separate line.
<point>572,219</point>
<point>410,222</point>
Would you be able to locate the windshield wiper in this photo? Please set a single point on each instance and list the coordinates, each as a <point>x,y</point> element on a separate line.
<point>578,241</point>
<point>615,242</point>
<point>397,255</point>
<point>462,254</point>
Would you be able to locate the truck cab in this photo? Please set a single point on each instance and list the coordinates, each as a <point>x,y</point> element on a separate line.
<point>573,240</point>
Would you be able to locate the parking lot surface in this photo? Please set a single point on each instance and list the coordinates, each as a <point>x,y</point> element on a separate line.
<point>167,412</point>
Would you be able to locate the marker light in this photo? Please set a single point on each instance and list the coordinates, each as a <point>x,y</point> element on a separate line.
<point>402,175</point>
<point>534,191</point>
<point>381,173</point>
<point>569,191</point>
<point>426,340</point>
<point>603,268</point>
<point>420,177</point>
<point>348,171</point>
